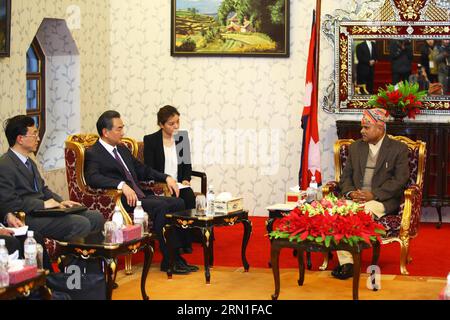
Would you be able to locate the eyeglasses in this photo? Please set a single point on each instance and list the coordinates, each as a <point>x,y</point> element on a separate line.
<point>36,135</point>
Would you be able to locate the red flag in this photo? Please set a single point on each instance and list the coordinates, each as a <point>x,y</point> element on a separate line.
<point>310,159</point>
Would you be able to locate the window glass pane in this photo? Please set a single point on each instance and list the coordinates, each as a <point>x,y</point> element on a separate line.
<point>32,94</point>
<point>32,61</point>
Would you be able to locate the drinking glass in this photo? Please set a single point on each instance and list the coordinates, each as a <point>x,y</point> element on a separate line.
<point>110,232</point>
<point>200,204</point>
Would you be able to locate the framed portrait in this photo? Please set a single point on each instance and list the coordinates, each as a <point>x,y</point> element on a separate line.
<point>5,27</point>
<point>230,28</point>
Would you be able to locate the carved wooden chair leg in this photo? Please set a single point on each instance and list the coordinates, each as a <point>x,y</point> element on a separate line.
<point>404,253</point>
<point>128,270</point>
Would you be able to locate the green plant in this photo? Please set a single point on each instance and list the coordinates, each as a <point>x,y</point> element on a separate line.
<point>405,97</point>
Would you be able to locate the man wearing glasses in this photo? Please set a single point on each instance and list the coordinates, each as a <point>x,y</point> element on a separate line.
<point>23,189</point>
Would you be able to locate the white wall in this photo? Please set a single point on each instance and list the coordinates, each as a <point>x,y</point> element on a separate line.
<point>223,101</point>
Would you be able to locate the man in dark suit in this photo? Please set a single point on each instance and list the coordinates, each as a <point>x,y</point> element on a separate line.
<point>376,173</point>
<point>401,55</point>
<point>366,54</point>
<point>23,189</point>
<point>110,165</point>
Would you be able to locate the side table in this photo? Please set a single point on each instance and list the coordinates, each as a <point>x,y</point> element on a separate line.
<point>310,246</point>
<point>193,219</point>
<point>109,252</point>
<point>24,288</point>
<point>275,214</point>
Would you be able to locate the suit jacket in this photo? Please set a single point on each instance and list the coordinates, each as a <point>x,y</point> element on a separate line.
<point>103,171</point>
<point>154,154</point>
<point>364,69</point>
<point>17,190</point>
<point>401,58</point>
<point>390,176</point>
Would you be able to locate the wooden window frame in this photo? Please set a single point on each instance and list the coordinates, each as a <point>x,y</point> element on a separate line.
<point>40,76</point>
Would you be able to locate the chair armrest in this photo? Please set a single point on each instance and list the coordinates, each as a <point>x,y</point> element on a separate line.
<point>204,180</point>
<point>103,200</point>
<point>330,186</point>
<point>412,209</point>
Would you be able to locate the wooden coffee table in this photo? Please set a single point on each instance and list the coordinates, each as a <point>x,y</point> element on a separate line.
<point>24,288</point>
<point>309,246</point>
<point>108,253</point>
<point>192,219</point>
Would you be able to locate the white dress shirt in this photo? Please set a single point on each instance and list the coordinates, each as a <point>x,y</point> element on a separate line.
<point>171,161</point>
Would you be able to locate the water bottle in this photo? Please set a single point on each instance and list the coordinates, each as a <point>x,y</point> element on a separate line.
<point>30,250</point>
<point>3,254</point>
<point>210,197</point>
<point>138,215</point>
<point>311,191</point>
<point>117,217</point>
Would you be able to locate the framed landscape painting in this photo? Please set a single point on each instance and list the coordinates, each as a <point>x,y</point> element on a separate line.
<point>5,27</point>
<point>255,28</point>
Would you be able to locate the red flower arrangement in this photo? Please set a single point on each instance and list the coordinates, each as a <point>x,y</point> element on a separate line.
<point>401,99</point>
<point>329,220</point>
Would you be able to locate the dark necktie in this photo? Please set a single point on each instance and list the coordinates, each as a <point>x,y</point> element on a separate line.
<point>30,167</point>
<point>128,175</point>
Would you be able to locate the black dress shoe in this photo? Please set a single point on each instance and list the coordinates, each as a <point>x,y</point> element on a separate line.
<point>190,267</point>
<point>343,272</point>
<point>177,269</point>
<point>185,265</point>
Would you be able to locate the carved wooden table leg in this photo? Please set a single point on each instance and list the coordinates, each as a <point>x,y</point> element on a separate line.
<point>110,270</point>
<point>247,232</point>
<point>274,259</point>
<point>376,252</point>
<point>356,273</point>
<point>269,228</point>
<point>148,256</point>
<point>301,267</point>
<point>206,242</point>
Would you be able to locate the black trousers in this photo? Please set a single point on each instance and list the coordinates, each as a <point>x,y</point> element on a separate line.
<point>85,224</point>
<point>188,196</point>
<point>157,207</point>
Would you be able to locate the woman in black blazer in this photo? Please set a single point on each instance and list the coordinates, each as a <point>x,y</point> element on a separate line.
<point>168,151</point>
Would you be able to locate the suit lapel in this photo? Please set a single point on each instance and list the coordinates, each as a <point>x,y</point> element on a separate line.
<point>108,155</point>
<point>160,145</point>
<point>364,153</point>
<point>382,154</point>
<point>128,162</point>
<point>22,168</point>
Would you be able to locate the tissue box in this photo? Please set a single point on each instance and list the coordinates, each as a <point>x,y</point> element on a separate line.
<point>229,206</point>
<point>131,232</point>
<point>295,196</point>
<point>23,274</point>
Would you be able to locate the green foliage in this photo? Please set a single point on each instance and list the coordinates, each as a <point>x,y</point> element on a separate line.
<point>188,45</point>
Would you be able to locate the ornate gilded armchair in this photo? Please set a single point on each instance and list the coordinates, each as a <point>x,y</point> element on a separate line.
<point>403,227</point>
<point>102,200</point>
